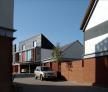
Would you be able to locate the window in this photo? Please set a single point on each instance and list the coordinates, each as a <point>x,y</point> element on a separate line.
<point>34,43</point>
<point>23,47</point>
<point>28,55</point>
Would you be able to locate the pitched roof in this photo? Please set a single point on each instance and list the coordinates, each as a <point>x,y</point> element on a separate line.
<point>88,14</point>
<point>69,45</point>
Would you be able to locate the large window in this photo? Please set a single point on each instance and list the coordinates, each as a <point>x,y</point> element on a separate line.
<point>34,43</point>
<point>28,55</point>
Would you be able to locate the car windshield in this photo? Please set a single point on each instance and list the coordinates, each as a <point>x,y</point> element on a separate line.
<point>45,69</point>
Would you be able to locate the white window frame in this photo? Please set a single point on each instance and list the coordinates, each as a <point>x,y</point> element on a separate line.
<point>23,47</point>
<point>34,43</point>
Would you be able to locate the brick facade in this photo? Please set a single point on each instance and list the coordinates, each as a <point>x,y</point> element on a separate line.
<point>5,63</point>
<point>92,70</point>
<point>88,71</point>
<point>72,70</point>
<point>15,69</point>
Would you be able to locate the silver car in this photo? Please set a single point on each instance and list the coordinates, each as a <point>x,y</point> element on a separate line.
<point>44,72</point>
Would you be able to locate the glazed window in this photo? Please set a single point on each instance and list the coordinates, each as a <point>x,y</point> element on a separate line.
<point>23,47</point>
<point>34,43</point>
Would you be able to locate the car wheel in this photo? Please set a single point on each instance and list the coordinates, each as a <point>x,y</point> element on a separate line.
<point>41,77</point>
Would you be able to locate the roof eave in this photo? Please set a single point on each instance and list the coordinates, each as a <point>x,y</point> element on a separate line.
<point>88,14</point>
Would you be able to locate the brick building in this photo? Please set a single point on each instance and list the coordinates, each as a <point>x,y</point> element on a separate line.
<point>6,38</point>
<point>93,68</point>
<point>31,52</point>
<point>69,53</point>
<point>95,28</point>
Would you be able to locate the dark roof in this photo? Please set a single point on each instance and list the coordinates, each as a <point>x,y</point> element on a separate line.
<point>8,29</point>
<point>88,14</point>
<point>46,43</point>
<point>69,45</point>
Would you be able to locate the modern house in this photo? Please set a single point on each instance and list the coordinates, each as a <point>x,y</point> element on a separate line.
<point>95,28</point>
<point>31,52</point>
<point>6,38</point>
<point>69,53</point>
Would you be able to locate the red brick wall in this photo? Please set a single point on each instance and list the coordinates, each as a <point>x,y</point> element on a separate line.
<point>5,64</point>
<point>15,69</point>
<point>33,54</point>
<point>17,57</point>
<point>79,71</point>
<point>55,66</point>
<point>102,70</point>
<point>92,70</point>
<point>72,70</point>
<point>89,70</point>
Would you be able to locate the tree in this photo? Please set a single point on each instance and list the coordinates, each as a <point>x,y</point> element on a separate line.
<point>57,57</point>
<point>57,53</point>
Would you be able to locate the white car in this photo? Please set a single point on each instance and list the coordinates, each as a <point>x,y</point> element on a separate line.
<point>44,72</point>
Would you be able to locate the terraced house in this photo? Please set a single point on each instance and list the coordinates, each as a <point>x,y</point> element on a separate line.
<point>95,28</point>
<point>31,52</point>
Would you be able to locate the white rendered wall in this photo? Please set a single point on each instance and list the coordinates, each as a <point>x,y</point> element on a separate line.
<point>6,13</point>
<point>90,45</point>
<point>99,15</point>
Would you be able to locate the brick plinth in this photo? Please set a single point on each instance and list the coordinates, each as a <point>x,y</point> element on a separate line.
<point>5,63</point>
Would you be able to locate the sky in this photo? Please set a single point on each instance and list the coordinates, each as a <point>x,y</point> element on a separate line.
<point>58,20</point>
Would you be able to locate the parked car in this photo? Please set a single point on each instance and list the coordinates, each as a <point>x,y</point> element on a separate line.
<point>44,72</point>
<point>23,71</point>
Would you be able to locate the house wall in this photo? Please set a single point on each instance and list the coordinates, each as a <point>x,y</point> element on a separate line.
<point>15,69</point>
<point>99,15</point>
<point>46,64</point>
<point>75,51</point>
<point>101,70</point>
<point>96,40</point>
<point>33,54</point>
<point>45,54</point>
<point>6,13</point>
<point>29,42</point>
<point>6,21</point>
<point>88,71</point>
<point>17,57</point>
<point>39,52</point>
<point>96,33</point>
<point>5,64</point>
<point>72,71</point>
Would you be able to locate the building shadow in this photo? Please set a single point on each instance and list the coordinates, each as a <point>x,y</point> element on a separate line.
<point>101,62</point>
<point>17,87</point>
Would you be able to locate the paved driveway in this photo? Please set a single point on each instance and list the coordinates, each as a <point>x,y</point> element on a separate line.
<point>32,85</point>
